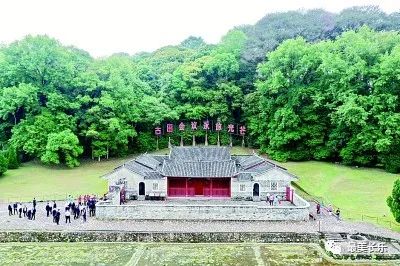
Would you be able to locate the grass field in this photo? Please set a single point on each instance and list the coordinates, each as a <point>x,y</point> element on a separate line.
<point>356,191</point>
<point>149,254</point>
<point>36,180</point>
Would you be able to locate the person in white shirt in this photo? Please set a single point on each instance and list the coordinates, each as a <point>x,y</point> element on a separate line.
<point>67,216</point>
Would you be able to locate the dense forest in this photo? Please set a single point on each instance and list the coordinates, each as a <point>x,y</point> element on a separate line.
<point>308,85</point>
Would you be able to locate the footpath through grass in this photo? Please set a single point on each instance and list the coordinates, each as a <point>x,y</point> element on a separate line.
<point>360,193</point>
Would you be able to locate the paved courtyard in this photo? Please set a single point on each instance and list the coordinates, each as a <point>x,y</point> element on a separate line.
<point>324,223</point>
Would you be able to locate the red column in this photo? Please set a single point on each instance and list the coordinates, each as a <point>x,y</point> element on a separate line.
<point>186,192</point>
<point>211,191</point>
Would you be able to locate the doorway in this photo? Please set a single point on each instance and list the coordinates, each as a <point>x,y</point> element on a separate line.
<point>256,190</point>
<point>141,189</point>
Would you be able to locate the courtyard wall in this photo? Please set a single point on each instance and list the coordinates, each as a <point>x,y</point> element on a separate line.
<point>229,212</point>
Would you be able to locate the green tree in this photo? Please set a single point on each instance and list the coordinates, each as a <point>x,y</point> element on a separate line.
<point>393,201</point>
<point>62,147</point>
<point>3,163</point>
<point>12,155</point>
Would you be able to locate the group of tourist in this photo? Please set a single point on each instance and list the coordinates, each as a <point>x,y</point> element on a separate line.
<point>18,209</point>
<point>273,200</point>
<point>77,209</point>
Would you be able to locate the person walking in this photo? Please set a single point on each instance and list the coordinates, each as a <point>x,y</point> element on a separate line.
<point>25,210</point>
<point>33,213</point>
<point>67,216</point>
<point>10,210</point>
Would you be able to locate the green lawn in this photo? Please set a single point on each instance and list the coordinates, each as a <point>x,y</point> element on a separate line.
<point>148,254</point>
<point>356,191</point>
<point>33,179</point>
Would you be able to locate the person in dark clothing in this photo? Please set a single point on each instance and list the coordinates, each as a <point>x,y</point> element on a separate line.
<point>338,214</point>
<point>84,215</point>
<point>10,210</point>
<point>34,203</point>
<point>15,208</point>
<point>318,208</point>
<point>29,214</point>
<point>25,210</point>
<point>48,209</point>
<point>54,215</point>
<point>54,205</point>
<point>58,214</point>
<point>33,214</point>
<point>20,211</point>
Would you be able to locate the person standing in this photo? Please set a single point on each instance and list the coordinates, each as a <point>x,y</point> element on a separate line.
<point>67,216</point>
<point>58,214</point>
<point>34,203</point>
<point>54,215</point>
<point>271,199</point>
<point>33,213</point>
<point>29,214</point>
<point>25,210</point>
<point>10,210</point>
<point>318,208</point>
<point>54,205</point>
<point>15,206</point>
<point>84,214</point>
<point>20,210</point>
<point>48,209</point>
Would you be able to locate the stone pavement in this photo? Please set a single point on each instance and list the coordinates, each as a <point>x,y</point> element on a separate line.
<point>323,223</point>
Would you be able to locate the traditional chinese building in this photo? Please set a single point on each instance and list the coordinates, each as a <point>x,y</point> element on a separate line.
<point>196,172</point>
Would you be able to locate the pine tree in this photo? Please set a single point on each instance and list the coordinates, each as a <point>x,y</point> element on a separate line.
<point>393,201</point>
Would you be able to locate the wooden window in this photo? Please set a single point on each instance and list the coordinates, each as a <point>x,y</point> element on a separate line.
<point>155,186</point>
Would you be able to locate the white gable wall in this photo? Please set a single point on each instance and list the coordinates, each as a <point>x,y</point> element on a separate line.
<point>266,182</point>
<point>132,182</point>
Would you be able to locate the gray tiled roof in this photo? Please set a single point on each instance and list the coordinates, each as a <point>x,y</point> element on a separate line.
<point>148,161</point>
<point>159,158</point>
<point>153,175</point>
<point>200,162</point>
<point>200,153</point>
<point>137,167</point>
<point>250,161</point>
<point>199,168</point>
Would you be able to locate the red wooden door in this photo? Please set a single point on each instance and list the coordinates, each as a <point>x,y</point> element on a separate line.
<point>198,187</point>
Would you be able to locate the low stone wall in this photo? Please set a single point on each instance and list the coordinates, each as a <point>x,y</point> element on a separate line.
<point>205,212</point>
<point>170,237</point>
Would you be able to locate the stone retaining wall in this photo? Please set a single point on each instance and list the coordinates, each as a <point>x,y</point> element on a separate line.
<point>170,237</point>
<point>205,212</point>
